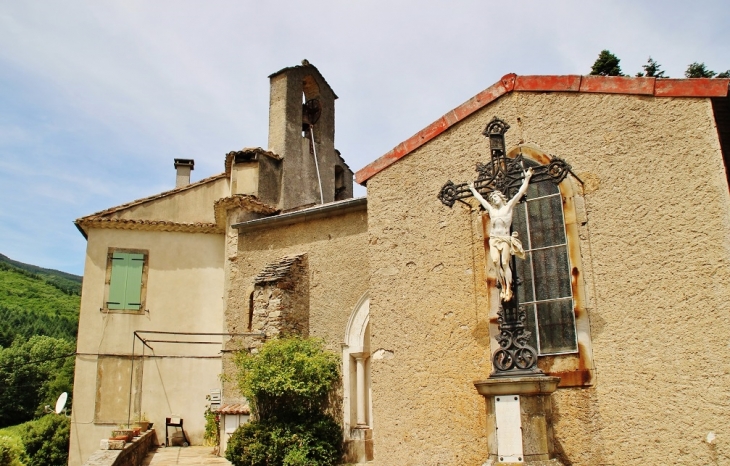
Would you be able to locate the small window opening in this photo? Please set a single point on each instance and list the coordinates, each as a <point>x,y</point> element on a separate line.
<point>339,183</point>
<point>250,312</point>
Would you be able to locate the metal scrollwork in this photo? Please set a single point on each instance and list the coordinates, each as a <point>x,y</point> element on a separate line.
<point>505,175</point>
<point>515,353</point>
<point>502,173</point>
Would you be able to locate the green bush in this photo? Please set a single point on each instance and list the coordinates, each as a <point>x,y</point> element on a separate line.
<point>46,440</point>
<point>304,442</point>
<point>288,377</point>
<point>11,451</point>
<point>288,385</point>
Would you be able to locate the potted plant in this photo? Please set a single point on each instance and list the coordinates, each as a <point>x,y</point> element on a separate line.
<point>143,422</point>
<point>122,433</point>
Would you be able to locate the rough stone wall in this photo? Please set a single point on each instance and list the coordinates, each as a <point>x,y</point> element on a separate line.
<point>133,454</point>
<point>655,255</point>
<point>281,306</point>
<point>336,269</point>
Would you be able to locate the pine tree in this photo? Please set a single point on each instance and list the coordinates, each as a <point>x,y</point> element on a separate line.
<point>607,64</point>
<point>698,70</point>
<point>652,69</point>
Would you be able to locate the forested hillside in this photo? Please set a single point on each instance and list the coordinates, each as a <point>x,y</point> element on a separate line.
<point>37,301</point>
<point>39,314</point>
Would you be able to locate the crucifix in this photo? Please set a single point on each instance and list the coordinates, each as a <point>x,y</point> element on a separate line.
<point>504,182</point>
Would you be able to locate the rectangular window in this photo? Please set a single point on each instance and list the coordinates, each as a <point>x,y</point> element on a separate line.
<point>545,290</point>
<point>126,280</point>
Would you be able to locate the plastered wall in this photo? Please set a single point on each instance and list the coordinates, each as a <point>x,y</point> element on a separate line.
<point>188,206</point>
<point>184,293</point>
<point>655,255</point>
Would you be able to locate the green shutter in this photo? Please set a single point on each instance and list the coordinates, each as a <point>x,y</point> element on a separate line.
<point>134,282</point>
<point>125,287</point>
<point>118,281</point>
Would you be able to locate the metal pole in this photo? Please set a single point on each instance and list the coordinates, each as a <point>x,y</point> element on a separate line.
<point>316,164</point>
<point>131,379</point>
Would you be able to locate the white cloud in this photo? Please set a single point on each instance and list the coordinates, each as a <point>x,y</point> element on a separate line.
<point>97,98</point>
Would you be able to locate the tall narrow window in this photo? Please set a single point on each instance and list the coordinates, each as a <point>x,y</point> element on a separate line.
<point>126,276</point>
<point>545,290</point>
<point>250,311</point>
<point>339,183</point>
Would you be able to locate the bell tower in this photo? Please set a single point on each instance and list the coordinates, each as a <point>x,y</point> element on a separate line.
<point>302,133</point>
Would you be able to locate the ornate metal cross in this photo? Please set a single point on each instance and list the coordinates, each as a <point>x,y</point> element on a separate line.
<point>515,357</point>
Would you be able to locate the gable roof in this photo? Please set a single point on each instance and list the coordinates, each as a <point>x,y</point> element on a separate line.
<point>695,87</point>
<point>154,197</point>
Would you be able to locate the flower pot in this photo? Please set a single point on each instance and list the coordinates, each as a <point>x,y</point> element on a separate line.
<point>143,425</point>
<point>136,431</point>
<point>126,433</point>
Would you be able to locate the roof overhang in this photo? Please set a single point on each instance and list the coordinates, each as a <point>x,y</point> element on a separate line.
<point>696,87</point>
<point>311,213</point>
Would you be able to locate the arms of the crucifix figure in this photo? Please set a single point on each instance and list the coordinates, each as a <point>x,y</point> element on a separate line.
<point>487,206</point>
<point>523,188</point>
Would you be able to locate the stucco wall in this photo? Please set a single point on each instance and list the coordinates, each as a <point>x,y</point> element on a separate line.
<point>655,255</point>
<point>336,249</point>
<point>188,206</point>
<point>184,293</point>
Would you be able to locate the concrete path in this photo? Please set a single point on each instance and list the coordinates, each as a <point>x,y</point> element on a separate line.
<point>170,456</point>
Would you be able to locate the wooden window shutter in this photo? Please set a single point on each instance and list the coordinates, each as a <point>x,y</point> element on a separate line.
<point>125,283</point>
<point>134,282</point>
<point>118,281</point>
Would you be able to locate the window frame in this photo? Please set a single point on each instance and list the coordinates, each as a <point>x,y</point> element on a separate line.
<point>143,287</point>
<point>574,369</point>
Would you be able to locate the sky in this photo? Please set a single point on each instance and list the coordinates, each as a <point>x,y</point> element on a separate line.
<point>98,97</point>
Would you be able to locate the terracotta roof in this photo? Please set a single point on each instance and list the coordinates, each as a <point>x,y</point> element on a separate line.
<point>233,409</point>
<point>275,271</point>
<point>697,87</point>
<point>158,225</point>
<point>250,152</point>
<point>250,203</point>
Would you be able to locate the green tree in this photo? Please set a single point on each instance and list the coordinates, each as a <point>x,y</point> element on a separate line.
<point>652,69</point>
<point>33,374</point>
<point>607,64</point>
<point>724,74</point>
<point>46,440</point>
<point>698,70</point>
<point>288,385</point>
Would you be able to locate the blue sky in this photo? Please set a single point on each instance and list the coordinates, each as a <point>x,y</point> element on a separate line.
<point>98,97</point>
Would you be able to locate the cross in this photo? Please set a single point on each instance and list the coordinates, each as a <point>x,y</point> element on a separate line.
<point>515,357</point>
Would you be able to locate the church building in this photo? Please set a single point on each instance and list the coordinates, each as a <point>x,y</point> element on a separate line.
<point>620,297</point>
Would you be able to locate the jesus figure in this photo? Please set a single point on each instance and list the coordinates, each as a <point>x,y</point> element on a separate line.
<point>502,244</point>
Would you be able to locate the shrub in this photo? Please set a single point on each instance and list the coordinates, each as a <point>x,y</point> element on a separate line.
<point>288,385</point>
<point>304,442</point>
<point>288,377</point>
<point>11,451</point>
<point>46,440</point>
<point>211,437</point>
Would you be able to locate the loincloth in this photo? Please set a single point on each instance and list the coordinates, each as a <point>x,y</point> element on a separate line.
<point>512,242</point>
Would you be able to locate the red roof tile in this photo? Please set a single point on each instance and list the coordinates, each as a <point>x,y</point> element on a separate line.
<point>568,83</point>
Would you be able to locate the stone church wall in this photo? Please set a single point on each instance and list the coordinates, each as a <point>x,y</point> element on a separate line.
<point>654,249</point>
<point>337,272</point>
